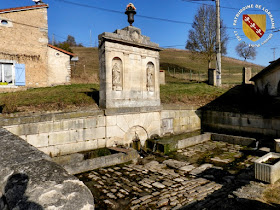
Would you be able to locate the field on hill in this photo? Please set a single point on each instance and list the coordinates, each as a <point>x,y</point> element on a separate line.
<point>86,96</point>
<point>176,63</point>
<point>185,84</point>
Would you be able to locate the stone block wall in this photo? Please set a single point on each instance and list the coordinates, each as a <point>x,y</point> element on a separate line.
<point>59,67</point>
<point>123,128</point>
<point>180,121</point>
<point>64,136</point>
<point>240,124</point>
<point>68,133</point>
<point>25,42</point>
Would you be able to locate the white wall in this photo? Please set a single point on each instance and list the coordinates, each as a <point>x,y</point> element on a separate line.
<point>59,67</point>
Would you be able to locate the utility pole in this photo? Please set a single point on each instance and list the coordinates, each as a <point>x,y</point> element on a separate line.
<point>90,38</point>
<point>218,45</point>
<point>52,39</point>
<point>274,48</point>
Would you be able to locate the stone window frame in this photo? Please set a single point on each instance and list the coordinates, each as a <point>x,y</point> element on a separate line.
<point>3,62</point>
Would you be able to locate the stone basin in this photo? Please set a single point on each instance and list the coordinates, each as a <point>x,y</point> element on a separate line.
<point>266,172</point>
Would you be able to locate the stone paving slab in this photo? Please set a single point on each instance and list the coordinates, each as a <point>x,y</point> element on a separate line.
<point>153,184</point>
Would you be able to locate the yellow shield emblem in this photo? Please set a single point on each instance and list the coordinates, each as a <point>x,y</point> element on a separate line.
<point>254,26</point>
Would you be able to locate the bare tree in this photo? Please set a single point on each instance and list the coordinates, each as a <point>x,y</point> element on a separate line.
<point>245,51</point>
<point>202,36</point>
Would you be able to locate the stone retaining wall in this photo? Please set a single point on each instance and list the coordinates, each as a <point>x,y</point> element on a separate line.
<point>30,180</point>
<point>66,133</point>
<point>240,124</point>
<point>180,119</point>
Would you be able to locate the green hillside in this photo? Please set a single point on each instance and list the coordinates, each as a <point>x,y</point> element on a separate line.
<point>192,66</point>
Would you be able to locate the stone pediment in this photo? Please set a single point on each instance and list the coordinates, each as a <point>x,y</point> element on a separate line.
<point>129,35</point>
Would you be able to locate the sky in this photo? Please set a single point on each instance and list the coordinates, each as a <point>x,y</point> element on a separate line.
<point>166,22</point>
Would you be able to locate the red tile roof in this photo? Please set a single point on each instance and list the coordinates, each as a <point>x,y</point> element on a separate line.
<point>16,9</point>
<point>61,50</point>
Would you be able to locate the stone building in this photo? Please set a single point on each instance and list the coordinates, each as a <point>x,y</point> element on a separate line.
<point>267,82</point>
<point>59,59</point>
<point>26,59</point>
<point>129,69</point>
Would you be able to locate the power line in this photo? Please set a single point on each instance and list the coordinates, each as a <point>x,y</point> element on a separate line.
<point>232,8</point>
<point>122,13</point>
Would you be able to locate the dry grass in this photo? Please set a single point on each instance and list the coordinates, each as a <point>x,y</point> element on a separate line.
<point>87,68</point>
<point>68,97</point>
<point>272,194</point>
<point>184,92</point>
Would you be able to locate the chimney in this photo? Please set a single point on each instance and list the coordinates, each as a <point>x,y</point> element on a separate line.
<point>38,2</point>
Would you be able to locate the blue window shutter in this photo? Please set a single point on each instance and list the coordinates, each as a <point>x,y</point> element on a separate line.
<point>20,74</point>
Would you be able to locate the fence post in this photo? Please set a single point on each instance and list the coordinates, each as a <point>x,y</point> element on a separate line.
<point>174,72</point>
<point>199,78</point>
<point>190,74</point>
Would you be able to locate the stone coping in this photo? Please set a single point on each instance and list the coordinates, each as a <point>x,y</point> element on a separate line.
<point>132,110</point>
<point>105,37</point>
<point>129,36</point>
<point>30,180</point>
<point>179,107</point>
<point>17,119</point>
<point>25,118</point>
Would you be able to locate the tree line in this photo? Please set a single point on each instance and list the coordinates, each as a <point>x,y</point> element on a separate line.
<point>66,45</point>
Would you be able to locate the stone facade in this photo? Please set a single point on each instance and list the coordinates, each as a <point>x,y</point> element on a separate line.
<point>25,53</point>
<point>59,66</point>
<point>240,124</point>
<point>129,69</point>
<point>24,40</point>
<point>267,82</point>
<point>68,133</point>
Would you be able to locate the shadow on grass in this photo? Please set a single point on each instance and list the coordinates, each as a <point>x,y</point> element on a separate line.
<point>242,99</point>
<point>94,94</point>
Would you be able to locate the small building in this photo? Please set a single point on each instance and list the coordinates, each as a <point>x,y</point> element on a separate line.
<point>267,81</point>
<point>26,59</point>
<point>59,65</point>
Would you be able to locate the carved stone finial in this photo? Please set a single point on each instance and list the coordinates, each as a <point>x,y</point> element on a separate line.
<point>130,11</point>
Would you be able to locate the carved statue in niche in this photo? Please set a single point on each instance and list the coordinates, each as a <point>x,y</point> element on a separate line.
<point>116,75</point>
<point>150,77</point>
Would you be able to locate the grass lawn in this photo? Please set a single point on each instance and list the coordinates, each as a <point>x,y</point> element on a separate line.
<point>76,96</point>
<point>184,92</point>
<point>50,99</point>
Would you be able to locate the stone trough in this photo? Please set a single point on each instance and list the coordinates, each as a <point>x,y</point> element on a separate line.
<point>81,162</point>
<point>166,145</point>
<point>266,172</point>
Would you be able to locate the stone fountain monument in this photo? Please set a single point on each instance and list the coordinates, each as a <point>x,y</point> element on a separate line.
<point>129,69</point>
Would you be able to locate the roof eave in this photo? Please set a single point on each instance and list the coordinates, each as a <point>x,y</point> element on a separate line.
<point>18,9</point>
<point>266,69</point>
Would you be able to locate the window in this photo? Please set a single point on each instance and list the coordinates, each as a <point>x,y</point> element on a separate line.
<point>6,74</point>
<point>4,22</point>
<point>11,73</point>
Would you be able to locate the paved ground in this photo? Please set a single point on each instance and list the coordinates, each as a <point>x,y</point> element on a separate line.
<point>212,175</point>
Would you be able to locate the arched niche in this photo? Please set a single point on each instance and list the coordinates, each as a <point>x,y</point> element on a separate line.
<point>150,72</point>
<point>117,72</point>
